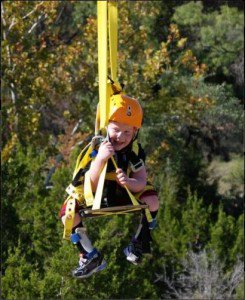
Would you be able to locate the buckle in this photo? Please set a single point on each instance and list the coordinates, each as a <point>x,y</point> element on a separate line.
<point>71,192</point>
<point>96,141</point>
<point>138,166</point>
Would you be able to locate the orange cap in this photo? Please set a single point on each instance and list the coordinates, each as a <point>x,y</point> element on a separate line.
<point>126,110</point>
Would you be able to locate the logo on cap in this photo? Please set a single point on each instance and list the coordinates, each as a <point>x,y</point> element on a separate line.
<point>129,113</point>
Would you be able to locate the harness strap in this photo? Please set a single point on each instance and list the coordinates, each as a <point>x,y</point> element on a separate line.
<point>88,193</point>
<point>74,190</point>
<point>131,196</point>
<point>102,62</point>
<point>135,163</point>
<point>83,159</point>
<point>110,176</point>
<point>99,190</point>
<point>69,220</point>
<point>113,26</point>
<point>104,8</point>
<point>135,148</point>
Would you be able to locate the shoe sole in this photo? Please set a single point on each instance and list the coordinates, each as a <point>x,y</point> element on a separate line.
<point>133,262</point>
<point>99,268</point>
<point>129,258</point>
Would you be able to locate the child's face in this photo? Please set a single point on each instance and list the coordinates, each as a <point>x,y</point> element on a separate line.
<point>120,134</point>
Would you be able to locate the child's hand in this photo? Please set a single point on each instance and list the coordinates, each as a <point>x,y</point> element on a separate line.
<point>105,151</point>
<point>122,178</point>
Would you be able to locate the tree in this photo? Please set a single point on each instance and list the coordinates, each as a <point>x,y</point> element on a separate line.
<point>34,35</point>
<point>216,38</point>
<point>224,234</point>
<point>203,277</point>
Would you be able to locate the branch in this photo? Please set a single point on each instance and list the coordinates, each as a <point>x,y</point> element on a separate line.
<point>10,65</point>
<point>31,12</point>
<point>236,277</point>
<point>14,22</point>
<point>3,20</point>
<point>76,126</point>
<point>59,15</point>
<point>170,284</point>
<point>40,19</point>
<point>218,48</point>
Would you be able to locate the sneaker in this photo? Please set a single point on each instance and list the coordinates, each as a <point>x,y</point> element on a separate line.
<point>88,266</point>
<point>133,252</point>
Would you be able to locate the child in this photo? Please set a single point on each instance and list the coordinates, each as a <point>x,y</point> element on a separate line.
<point>125,118</point>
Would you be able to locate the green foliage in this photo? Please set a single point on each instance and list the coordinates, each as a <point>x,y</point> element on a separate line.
<point>195,216</point>
<point>229,177</point>
<point>181,226</point>
<point>21,278</point>
<point>238,248</point>
<point>240,291</point>
<point>224,233</point>
<point>45,65</point>
<point>190,14</point>
<point>217,36</point>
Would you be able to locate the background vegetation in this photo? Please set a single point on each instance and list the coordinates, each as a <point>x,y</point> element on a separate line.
<point>184,62</point>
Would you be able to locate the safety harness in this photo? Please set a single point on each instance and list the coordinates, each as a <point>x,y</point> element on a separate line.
<point>80,189</point>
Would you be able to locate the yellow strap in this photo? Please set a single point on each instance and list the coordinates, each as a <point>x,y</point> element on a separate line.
<point>104,90</point>
<point>102,62</point>
<point>97,121</point>
<point>82,163</point>
<point>88,193</point>
<point>75,192</point>
<point>116,212</point>
<point>99,190</point>
<point>135,147</point>
<point>133,199</point>
<point>148,215</point>
<point>69,218</point>
<point>113,25</point>
<point>110,176</point>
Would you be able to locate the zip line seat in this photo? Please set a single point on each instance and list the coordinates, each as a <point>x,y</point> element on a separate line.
<point>113,210</point>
